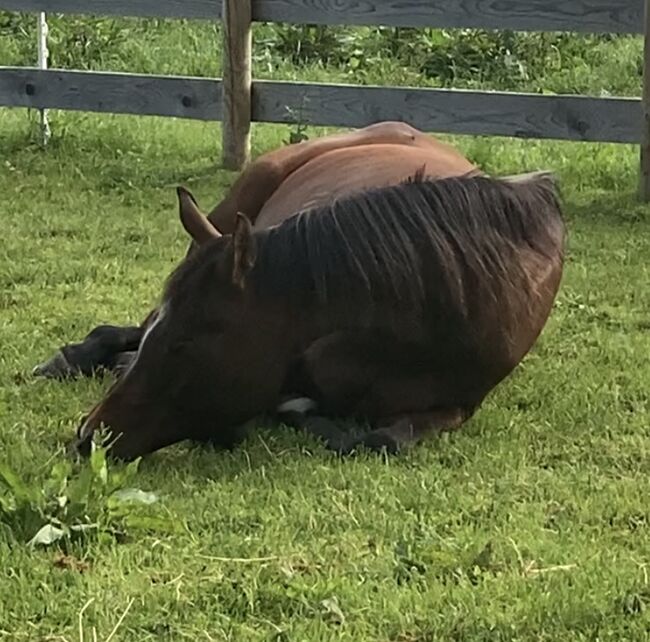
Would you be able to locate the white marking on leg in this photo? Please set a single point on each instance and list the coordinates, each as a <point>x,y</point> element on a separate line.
<point>301,405</point>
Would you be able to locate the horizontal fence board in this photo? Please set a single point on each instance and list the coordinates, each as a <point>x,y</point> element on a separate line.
<point>591,16</point>
<point>578,118</point>
<point>575,118</point>
<point>208,9</point>
<point>195,98</point>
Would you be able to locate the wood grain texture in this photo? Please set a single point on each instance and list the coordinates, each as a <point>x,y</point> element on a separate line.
<point>195,98</point>
<point>208,9</point>
<point>592,16</point>
<point>575,118</point>
<point>237,79</point>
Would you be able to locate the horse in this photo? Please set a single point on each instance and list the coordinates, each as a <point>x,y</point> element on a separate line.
<point>276,185</point>
<point>401,306</point>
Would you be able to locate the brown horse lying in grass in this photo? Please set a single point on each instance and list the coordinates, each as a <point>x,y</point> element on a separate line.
<point>273,188</point>
<point>402,306</point>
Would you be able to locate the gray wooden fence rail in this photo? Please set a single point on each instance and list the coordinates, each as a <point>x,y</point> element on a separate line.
<point>237,100</point>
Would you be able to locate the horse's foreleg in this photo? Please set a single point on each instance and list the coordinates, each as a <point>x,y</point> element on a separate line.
<point>397,435</point>
<point>403,409</point>
<point>408,430</point>
<point>105,348</point>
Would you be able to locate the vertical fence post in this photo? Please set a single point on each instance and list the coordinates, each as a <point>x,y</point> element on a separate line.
<point>42,64</point>
<point>644,178</point>
<point>237,82</point>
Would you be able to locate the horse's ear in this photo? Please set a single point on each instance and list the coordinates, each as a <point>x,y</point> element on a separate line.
<point>195,223</point>
<point>244,249</point>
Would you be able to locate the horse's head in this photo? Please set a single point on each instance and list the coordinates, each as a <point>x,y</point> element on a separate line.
<point>200,371</point>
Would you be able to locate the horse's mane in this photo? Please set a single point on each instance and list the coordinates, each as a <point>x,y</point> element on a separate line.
<point>373,244</point>
<point>396,243</point>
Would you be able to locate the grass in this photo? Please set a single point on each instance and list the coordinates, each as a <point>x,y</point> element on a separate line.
<point>531,523</point>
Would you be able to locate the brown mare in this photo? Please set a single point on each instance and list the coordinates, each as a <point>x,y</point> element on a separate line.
<point>357,293</point>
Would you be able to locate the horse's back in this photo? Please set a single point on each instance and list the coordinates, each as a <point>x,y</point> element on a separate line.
<point>343,172</point>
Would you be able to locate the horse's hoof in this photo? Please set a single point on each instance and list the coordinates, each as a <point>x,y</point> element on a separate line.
<point>58,367</point>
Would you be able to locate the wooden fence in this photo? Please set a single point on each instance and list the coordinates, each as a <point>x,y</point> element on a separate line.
<point>237,100</point>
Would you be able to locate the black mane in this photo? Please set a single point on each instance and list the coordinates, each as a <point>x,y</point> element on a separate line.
<point>393,243</point>
<point>373,244</point>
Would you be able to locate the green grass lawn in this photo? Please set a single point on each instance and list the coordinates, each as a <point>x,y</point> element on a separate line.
<point>531,523</point>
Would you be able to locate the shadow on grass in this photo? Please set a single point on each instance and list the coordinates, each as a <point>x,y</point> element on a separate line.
<point>605,207</point>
